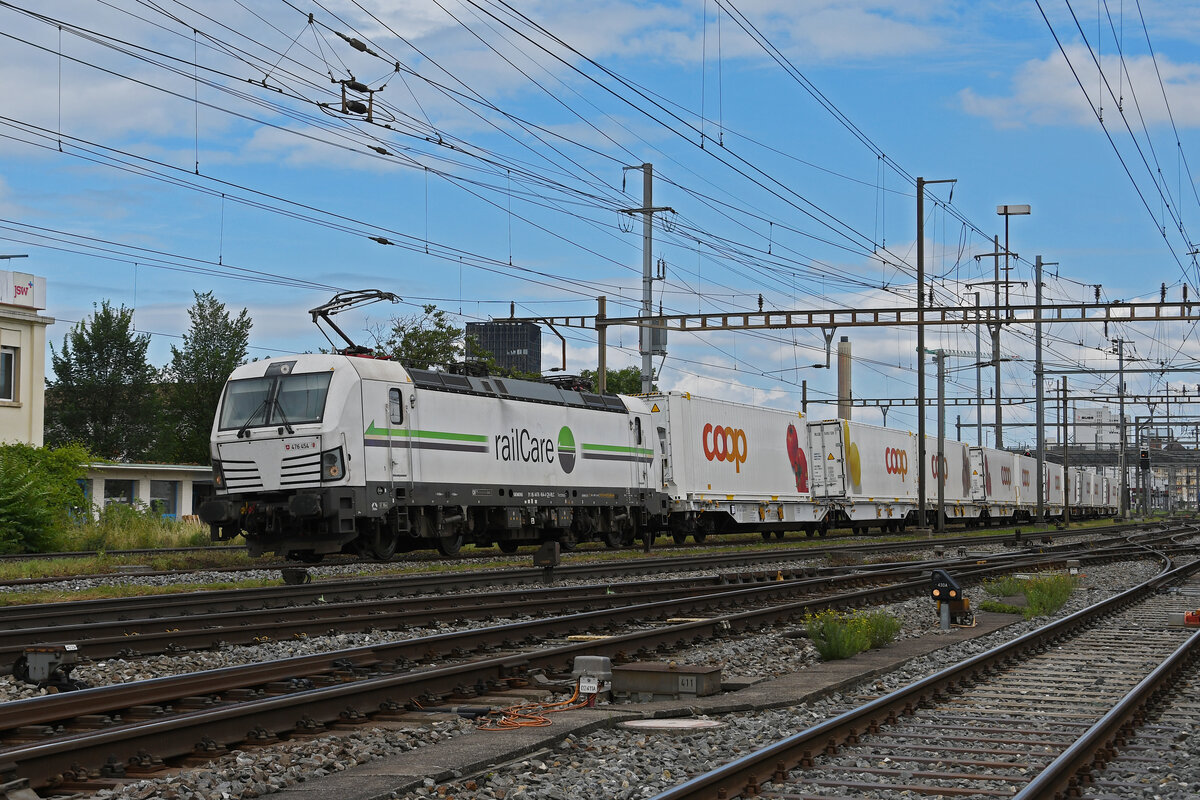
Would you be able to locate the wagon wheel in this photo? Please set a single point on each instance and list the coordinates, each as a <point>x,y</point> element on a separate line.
<point>698,537</point>
<point>20,669</point>
<point>679,536</point>
<point>780,534</point>
<point>450,545</point>
<point>508,546</point>
<point>614,539</point>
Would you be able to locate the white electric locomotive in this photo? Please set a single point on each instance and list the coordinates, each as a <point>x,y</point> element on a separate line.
<point>315,454</point>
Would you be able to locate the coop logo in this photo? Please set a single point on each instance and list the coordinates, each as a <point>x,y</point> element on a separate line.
<point>896,462</point>
<point>725,444</point>
<point>1006,476</point>
<point>938,467</point>
<point>1024,477</point>
<point>566,449</point>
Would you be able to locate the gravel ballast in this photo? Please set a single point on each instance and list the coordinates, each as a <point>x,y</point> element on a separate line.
<point>611,762</point>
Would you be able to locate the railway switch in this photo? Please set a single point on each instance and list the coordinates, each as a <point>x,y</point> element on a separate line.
<point>49,666</point>
<point>952,605</point>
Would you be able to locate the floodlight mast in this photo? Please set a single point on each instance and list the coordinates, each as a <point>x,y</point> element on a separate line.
<point>341,302</point>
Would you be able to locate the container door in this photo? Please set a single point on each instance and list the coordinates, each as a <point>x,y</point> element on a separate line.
<point>978,477</point>
<point>828,461</point>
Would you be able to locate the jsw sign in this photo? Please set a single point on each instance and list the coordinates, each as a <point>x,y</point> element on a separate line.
<point>22,289</point>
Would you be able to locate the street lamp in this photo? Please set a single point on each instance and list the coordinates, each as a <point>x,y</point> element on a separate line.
<point>1005,211</point>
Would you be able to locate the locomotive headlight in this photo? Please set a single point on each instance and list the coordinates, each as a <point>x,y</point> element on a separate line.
<point>218,475</point>
<point>333,465</point>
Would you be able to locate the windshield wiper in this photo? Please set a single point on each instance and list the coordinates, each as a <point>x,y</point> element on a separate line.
<point>279,407</point>
<point>242,431</point>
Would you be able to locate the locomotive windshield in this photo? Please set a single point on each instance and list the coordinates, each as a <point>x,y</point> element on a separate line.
<point>274,400</point>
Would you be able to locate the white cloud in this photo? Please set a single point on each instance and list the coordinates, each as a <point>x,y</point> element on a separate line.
<point>1046,92</point>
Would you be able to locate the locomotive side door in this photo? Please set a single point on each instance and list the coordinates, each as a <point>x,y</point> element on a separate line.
<point>397,414</point>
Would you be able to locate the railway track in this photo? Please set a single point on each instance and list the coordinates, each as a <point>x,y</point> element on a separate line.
<point>60,738</point>
<point>158,624</point>
<point>846,544</point>
<point>1029,719</point>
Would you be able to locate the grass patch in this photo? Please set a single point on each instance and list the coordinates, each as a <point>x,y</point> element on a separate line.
<point>1005,586</point>
<point>1047,594</point>
<point>1044,594</point>
<point>838,636</point>
<point>110,592</point>
<point>996,607</point>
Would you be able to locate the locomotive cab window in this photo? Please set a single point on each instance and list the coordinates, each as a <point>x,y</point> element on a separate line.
<point>637,429</point>
<point>275,400</point>
<point>395,407</point>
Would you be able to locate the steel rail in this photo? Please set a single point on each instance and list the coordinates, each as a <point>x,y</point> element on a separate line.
<point>744,776</point>
<point>43,762</point>
<point>1063,776</point>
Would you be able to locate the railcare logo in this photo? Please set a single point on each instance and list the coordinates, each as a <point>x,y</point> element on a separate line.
<point>566,449</point>
<point>724,444</point>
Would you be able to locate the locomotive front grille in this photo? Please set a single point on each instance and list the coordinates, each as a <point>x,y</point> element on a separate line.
<point>270,464</point>
<point>300,469</point>
<point>241,476</point>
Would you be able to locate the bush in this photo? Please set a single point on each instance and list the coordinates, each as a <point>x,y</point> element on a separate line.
<point>39,491</point>
<point>836,636</point>
<point>879,627</point>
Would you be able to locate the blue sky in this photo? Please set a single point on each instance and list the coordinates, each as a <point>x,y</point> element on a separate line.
<point>153,150</point>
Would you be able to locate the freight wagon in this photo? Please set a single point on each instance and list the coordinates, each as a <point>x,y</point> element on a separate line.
<point>732,467</point>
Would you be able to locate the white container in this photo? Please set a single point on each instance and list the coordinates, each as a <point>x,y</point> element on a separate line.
<point>730,466</point>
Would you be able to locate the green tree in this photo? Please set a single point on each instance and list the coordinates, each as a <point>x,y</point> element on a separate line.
<point>618,381</point>
<point>421,341</point>
<point>39,488</point>
<point>214,345</point>
<point>105,393</point>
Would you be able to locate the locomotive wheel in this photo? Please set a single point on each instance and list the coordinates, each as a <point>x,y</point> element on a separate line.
<point>450,545</point>
<point>307,556</point>
<point>508,546</point>
<point>381,545</point>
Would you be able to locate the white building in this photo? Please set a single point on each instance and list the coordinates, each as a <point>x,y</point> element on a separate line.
<point>173,489</point>
<point>1097,428</point>
<point>22,357</point>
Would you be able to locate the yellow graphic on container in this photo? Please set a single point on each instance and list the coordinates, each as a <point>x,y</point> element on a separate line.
<point>853,459</point>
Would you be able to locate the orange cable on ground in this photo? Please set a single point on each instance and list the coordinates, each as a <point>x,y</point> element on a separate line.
<point>530,715</point>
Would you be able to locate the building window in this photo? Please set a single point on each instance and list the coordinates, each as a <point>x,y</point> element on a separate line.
<point>164,498</point>
<point>119,491</point>
<point>8,374</point>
